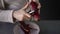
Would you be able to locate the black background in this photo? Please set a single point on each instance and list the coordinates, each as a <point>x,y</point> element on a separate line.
<point>50,10</point>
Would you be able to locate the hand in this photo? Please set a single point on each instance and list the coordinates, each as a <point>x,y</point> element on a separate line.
<point>21,15</point>
<point>39,6</point>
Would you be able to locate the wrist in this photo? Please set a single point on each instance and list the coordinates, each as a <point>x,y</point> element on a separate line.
<point>13,15</point>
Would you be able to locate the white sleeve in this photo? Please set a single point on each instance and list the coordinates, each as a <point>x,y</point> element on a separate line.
<point>6,16</point>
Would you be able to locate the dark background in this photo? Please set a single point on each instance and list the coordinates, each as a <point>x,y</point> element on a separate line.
<point>50,10</point>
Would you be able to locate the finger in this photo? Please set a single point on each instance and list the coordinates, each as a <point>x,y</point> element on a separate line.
<point>28,15</point>
<point>25,6</point>
<point>39,6</point>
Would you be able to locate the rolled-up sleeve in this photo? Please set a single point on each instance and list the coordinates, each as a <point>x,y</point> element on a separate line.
<point>6,16</point>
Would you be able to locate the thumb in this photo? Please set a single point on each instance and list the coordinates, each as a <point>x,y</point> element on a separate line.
<point>27,15</point>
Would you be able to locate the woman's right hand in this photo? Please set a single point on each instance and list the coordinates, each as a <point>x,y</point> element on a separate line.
<point>21,15</point>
